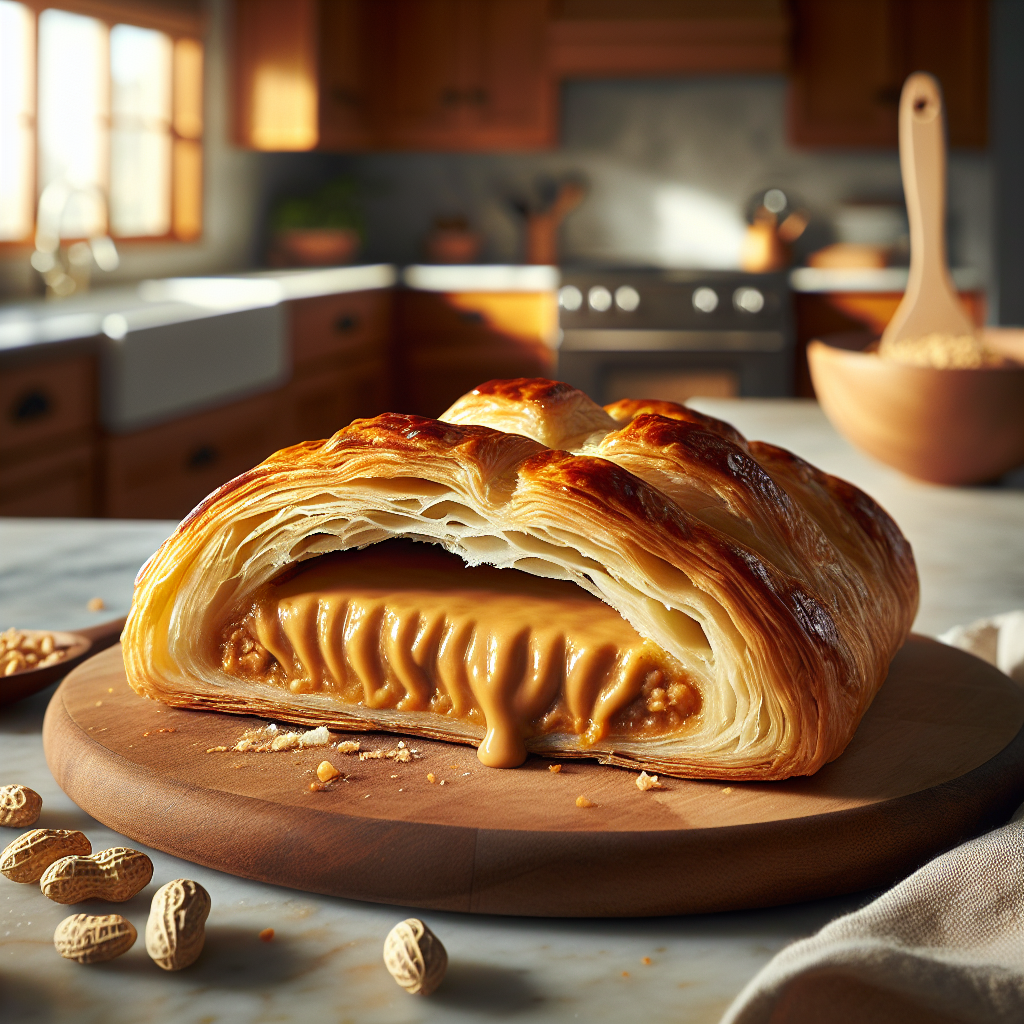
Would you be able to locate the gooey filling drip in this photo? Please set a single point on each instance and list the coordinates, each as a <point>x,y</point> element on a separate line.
<point>409,627</point>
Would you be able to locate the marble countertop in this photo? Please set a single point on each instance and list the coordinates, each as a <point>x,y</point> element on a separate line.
<point>324,962</point>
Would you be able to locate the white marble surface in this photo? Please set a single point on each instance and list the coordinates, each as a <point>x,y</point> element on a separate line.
<point>324,962</point>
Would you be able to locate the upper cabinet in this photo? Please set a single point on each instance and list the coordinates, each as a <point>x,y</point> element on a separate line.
<point>392,74</point>
<point>483,74</point>
<point>850,60</point>
<point>462,74</point>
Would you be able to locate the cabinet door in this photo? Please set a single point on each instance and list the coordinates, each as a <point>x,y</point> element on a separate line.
<point>62,483</point>
<point>344,100</point>
<point>851,59</point>
<point>417,79</point>
<point>510,100</point>
<point>356,325</point>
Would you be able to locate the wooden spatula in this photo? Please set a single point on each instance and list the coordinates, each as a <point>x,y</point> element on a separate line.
<point>930,304</point>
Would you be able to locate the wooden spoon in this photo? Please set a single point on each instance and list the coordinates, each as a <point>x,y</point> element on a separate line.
<point>79,645</point>
<point>930,304</point>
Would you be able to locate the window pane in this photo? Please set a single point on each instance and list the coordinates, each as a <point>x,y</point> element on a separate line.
<point>188,189</point>
<point>17,193</point>
<point>140,182</point>
<point>188,88</point>
<point>73,117</point>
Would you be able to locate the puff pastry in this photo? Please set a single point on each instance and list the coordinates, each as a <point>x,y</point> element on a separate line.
<point>532,572</point>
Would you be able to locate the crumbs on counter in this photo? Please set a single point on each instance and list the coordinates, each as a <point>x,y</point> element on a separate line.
<point>95,604</point>
<point>582,801</point>
<point>266,935</point>
<point>644,782</point>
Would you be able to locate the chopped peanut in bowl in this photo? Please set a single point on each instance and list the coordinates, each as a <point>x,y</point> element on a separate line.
<point>21,650</point>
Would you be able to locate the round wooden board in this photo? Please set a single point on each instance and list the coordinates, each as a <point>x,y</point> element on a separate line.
<point>938,758</point>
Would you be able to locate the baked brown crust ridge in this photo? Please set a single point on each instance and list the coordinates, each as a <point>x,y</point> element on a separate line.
<point>784,591</point>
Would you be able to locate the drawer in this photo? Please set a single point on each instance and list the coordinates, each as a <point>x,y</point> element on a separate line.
<point>357,323</point>
<point>46,401</point>
<point>165,471</point>
<point>470,316</point>
<point>318,406</point>
<point>59,484</point>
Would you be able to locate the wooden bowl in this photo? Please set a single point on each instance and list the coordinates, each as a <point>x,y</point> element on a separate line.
<point>942,426</point>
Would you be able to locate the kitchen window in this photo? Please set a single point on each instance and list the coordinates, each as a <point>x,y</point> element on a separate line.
<point>101,127</point>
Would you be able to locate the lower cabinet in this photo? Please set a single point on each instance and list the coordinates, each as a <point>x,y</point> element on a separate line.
<point>60,483</point>
<point>165,471</point>
<point>319,402</point>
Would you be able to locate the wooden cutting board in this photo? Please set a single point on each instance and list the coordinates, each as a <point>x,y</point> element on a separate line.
<point>938,758</point>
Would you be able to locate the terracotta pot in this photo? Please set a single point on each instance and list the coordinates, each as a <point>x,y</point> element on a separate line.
<point>314,247</point>
<point>943,426</point>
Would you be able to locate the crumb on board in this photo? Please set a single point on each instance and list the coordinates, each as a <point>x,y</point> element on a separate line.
<point>271,738</point>
<point>316,786</point>
<point>431,777</point>
<point>215,750</point>
<point>644,782</point>
<point>347,746</point>
<point>556,768</point>
<point>370,755</point>
<point>325,771</point>
<point>728,789</point>
<point>582,801</point>
<point>153,732</point>
<point>266,935</point>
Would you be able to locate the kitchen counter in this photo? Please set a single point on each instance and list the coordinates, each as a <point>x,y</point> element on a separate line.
<point>325,959</point>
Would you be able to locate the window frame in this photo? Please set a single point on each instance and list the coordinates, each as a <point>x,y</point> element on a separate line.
<point>185,22</point>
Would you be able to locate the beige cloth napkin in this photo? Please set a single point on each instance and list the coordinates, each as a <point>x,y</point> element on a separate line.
<point>945,945</point>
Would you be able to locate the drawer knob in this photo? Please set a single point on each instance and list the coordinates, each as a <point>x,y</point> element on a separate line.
<point>32,405</point>
<point>201,457</point>
<point>346,323</point>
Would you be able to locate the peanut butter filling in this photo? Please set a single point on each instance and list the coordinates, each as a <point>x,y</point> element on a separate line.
<point>408,626</point>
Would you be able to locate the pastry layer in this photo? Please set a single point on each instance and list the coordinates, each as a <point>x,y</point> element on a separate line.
<point>410,627</point>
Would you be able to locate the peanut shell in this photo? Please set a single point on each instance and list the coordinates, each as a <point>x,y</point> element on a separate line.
<point>414,956</point>
<point>175,931</point>
<point>28,857</point>
<point>116,874</point>
<point>19,806</point>
<point>92,939</point>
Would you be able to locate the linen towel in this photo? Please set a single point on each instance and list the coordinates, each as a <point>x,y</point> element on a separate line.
<point>945,945</point>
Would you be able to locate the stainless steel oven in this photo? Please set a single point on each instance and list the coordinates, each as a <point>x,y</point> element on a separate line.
<point>675,334</point>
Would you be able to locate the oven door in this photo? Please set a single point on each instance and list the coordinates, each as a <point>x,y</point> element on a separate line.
<point>676,365</point>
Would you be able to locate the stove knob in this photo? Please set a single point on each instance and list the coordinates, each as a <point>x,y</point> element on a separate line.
<point>599,299</point>
<point>748,300</point>
<point>570,298</point>
<point>627,298</point>
<point>705,300</point>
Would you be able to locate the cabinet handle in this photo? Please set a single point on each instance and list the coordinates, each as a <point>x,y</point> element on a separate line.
<point>478,96</point>
<point>346,323</point>
<point>450,97</point>
<point>471,316</point>
<point>32,405</point>
<point>201,457</point>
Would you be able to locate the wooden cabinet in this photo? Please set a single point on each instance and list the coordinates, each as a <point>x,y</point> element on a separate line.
<point>851,57</point>
<point>460,74</point>
<point>48,437</point>
<point>405,74</point>
<point>165,471</point>
<point>448,343</point>
<point>341,353</point>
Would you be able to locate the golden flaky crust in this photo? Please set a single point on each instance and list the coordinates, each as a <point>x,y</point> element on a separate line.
<point>782,590</point>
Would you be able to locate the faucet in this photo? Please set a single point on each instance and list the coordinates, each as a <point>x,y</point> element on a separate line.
<point>68,272</point>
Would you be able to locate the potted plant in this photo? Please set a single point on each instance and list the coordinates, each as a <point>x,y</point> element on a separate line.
<point>321,229</point>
